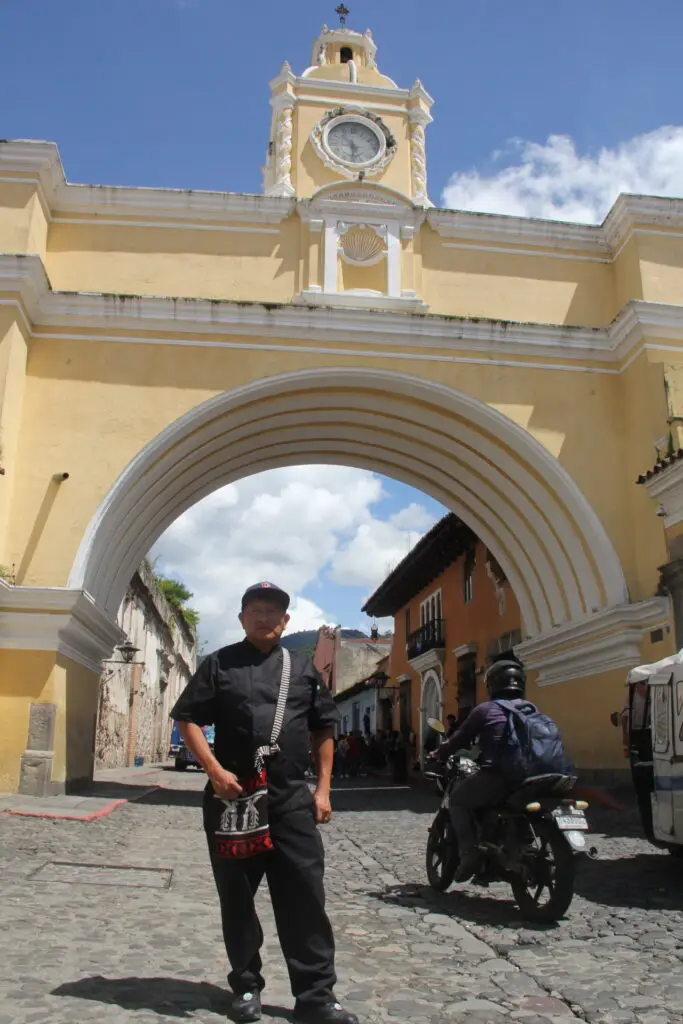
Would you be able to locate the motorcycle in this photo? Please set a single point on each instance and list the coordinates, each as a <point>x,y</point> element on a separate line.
<point>529,841</point>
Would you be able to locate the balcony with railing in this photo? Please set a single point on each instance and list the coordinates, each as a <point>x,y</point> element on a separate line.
<point>430,637</point>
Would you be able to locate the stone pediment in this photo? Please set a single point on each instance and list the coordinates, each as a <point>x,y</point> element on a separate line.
<point>347,201</point>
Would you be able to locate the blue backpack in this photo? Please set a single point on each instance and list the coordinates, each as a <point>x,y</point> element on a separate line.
<point>533,744</point>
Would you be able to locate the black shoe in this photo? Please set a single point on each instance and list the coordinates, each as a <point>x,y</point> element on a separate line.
<point>246,1008</point>
<point>467,867</point>
<point>323,1013</point>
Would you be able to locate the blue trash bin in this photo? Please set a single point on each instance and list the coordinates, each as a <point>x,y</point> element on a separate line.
<point>138,761</point>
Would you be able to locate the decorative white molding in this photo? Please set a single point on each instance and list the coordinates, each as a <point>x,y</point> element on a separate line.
<point>650,211</point>
<point>56,619</point>
<point>356,91</point>
<point>357,299</point>
<point>362,245</point>
<point>24,284</point>
<point>469,473</point>
<point>283,151</point>
<point>285,76</point>
<point>284,100</point>
<point>418,163</point>
<point>370,202</point>
<point>464,650</point>
<point>503,229</point>
<point>417,91</point>
<point>404,678</point>
<point>666,488</point>
<point>356,115</point>
<point>39,162</point>
<point>607,639</point>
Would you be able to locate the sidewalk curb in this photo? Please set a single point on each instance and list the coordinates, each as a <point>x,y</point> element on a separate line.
<point>103,812</point>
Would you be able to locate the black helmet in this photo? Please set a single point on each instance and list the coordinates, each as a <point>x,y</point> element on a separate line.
<point>505,676</point>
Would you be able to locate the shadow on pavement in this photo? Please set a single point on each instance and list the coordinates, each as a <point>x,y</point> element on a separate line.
<point>382,797</point>
<point>113,790</point>
<point>163,797</point>
<point>473,904</point>
<point>172,997</point>
<point>646,881</point>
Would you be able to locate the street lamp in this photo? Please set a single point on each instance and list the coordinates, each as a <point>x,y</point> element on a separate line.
<point>127,650</point>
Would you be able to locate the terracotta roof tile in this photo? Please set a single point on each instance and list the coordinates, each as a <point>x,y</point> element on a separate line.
<point>660,466</point>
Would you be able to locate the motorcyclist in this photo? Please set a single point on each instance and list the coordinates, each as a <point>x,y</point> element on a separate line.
<point>487,724</point>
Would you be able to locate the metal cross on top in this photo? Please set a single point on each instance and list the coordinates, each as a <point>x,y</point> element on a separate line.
<point>343,13</point>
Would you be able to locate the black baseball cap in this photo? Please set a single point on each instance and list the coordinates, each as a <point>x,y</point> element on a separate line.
<point>265,590</point>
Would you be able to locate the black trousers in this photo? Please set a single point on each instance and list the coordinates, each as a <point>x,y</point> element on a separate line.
<point>294,871</point>
<point>484,789</point>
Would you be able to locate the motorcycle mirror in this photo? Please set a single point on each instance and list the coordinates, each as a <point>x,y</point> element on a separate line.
<point>436,725</point>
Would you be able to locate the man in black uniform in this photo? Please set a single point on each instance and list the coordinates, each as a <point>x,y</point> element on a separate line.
<point>236,689</point>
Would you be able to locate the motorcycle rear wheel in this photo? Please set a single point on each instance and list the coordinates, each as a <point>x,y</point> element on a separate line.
<point>553,872</point>
<point>442,854</point>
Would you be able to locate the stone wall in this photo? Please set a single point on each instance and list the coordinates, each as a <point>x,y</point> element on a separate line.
<point>136,698</point>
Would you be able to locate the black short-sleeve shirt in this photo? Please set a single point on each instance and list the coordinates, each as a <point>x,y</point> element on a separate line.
<point>236,689</point>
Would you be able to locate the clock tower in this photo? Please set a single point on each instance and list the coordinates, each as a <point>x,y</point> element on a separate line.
<point>349,144</point>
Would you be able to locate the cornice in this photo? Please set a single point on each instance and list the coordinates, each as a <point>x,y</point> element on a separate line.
<point>666,487</point>
<point>25,278</point>
<point>606,640</point>
<point>494,227</point>
<point>417,91</point>
<point>39,162</point>
<point>178,204</point>
<point>312,316</point>
<point>358,89</point>
<point>650,211</point>
<point>67,622</point>
<point>433,658</point>
<point>24,159</point>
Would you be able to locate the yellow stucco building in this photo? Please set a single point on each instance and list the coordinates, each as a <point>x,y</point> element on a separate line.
<point>157,344</point>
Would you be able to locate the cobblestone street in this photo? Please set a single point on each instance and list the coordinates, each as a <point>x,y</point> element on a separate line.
<point>80,946</point>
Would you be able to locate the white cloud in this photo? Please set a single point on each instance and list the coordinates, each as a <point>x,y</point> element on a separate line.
<point>298,527</point>
<point>552,180</point>
<point>375,549</point>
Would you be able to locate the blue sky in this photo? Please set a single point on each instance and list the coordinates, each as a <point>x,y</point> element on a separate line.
<point>542,109</point>
<point>174,92</point>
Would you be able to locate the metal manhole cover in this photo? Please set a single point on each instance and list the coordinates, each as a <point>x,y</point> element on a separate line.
<point>120,875</point>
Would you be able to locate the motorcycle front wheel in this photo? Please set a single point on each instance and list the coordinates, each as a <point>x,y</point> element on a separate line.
<point>442,853</point>
<point>545,894</point>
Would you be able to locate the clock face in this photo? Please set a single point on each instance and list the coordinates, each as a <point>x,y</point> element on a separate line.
<point>353,142</point>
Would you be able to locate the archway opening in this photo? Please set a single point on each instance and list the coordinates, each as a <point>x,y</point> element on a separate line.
<point>481,466</point>
<point>476,462</point>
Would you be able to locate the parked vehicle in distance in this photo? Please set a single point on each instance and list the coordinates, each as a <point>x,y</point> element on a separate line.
<point>181,756</point>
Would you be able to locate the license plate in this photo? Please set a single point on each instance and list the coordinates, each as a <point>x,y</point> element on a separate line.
<point>572,822</point>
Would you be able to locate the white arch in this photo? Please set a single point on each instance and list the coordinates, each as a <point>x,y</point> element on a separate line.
<point>487,469</point>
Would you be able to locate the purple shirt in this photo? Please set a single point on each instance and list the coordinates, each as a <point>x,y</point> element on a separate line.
<point>488,721</point>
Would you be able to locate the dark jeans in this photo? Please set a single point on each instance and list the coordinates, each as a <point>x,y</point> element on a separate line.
<point>294,872</point>
<point>485,789</point>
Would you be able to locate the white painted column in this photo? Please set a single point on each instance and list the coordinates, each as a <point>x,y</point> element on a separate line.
<point>331,263</point>
<point>393,261</point>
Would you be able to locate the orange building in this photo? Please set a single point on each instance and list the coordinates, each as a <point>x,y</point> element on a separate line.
<point>454,612</point>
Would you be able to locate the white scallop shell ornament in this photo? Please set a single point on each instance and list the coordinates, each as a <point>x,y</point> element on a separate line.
<point>362,245</point>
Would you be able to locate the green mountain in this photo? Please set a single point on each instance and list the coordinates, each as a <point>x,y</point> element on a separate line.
<point>305,639</point>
